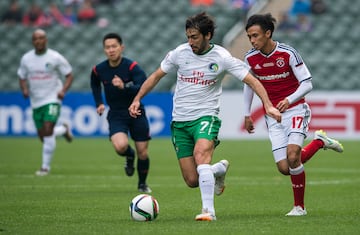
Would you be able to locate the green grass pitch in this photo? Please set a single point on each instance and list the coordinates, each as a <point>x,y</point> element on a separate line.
<point>88,192</point>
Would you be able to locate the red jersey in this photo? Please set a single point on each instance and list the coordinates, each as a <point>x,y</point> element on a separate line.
<point>280,72</point>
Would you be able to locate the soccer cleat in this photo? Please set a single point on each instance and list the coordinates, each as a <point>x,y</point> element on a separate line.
<point>220,180</point>
<point>68,134</point>
<point>328,142</point>
<point>129,166</point>
<point>205,216</point>
<point>143,188</point>
<point>297,211</point>
<point>42,172</point>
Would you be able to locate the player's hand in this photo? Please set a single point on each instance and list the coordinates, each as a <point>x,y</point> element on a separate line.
<point>283,105</point>
<point>61,95</point>
<point>249,125</point>
<point>100,109</point>
<point>25,94</point>
<point>274,113</point>
<point>116,81</point>
<point>134,110</point>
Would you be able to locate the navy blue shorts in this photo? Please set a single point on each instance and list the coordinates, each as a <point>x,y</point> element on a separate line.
<point>121,121</point>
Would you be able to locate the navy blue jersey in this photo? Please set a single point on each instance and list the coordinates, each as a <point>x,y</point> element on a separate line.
<point>117,99</point>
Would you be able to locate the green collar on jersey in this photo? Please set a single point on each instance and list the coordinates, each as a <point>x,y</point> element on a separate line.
<point>211,47</point>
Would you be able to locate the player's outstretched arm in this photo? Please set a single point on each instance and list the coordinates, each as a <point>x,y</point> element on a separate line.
<point>146,87</point>
<point>259,89</point>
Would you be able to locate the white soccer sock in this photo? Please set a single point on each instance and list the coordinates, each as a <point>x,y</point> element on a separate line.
<point>206,185</point>
<point>49,146</point>
<point>218,169</point>
<point>59,130</point>
<point>297,171</point>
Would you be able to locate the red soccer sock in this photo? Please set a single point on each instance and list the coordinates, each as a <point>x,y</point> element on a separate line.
<point>309,150</point>
<point>298,185</point>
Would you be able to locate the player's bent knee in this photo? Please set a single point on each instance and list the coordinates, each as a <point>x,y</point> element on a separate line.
<point>192,183</point>
<point>284,172</point>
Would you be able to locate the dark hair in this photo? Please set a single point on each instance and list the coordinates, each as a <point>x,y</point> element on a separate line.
<point>202,22</point>
<point>113,36</point>
<point>266,22</point>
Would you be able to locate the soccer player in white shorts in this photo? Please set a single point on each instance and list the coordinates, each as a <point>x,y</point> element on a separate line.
<point>287,80</point>
<point>40,74</point>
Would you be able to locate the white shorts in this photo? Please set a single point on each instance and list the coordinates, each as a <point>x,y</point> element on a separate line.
<point>293,129</point>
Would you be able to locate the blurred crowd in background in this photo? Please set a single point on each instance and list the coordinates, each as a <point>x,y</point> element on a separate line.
<point>71,12</point>
<point>298,18</point>
<point>68,13</point>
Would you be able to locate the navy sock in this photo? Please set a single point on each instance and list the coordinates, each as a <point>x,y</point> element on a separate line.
<point>143,169</point>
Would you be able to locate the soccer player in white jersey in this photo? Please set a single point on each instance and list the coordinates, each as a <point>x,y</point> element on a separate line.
<point>195,122</point>
<point>39,79</point>
<point>287,80</point>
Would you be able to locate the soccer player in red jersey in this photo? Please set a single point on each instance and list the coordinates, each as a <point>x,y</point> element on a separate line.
<point>287,80</point>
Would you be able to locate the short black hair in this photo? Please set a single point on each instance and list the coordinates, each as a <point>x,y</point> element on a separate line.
<point>266,22</point>
<point>202,22</point>
<point>114,36</point>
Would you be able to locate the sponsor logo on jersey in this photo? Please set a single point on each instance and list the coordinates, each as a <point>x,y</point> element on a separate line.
<point>270,64</point>
<point>274,76</point>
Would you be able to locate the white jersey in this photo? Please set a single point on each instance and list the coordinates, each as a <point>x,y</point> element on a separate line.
<point>44,73</point>
<point>198,86</point>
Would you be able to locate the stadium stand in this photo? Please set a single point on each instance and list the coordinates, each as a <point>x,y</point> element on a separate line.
<point>330,47</point>
<point>150,30</point>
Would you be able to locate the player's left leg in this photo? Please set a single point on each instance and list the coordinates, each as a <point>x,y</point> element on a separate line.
<point>321,140</point>
<point>219,170</point>
<point>297,174</point>
<point>143,165</point>
<point>64,130</point>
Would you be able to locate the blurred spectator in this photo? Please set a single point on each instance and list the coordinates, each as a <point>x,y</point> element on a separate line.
<point>86,12</point>
<point>303,23</point>
<point>73,3</point>
<point>197,3</point>
<point>318,7</point>
<point>245,5</point>
<point>300,15</point>
<point>58,16</point>
<point>285,23</point>
<point>13,15</point>
<point>300,7</point>
<point>107,2</point>
<point>70,15</point>
<point>36,17</point>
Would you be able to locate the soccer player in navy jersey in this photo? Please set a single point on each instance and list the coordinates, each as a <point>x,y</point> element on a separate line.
<point>287,80</point>
<point>121,79</point>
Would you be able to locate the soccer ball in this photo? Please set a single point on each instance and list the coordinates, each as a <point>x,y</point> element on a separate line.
<point>144,207</point>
